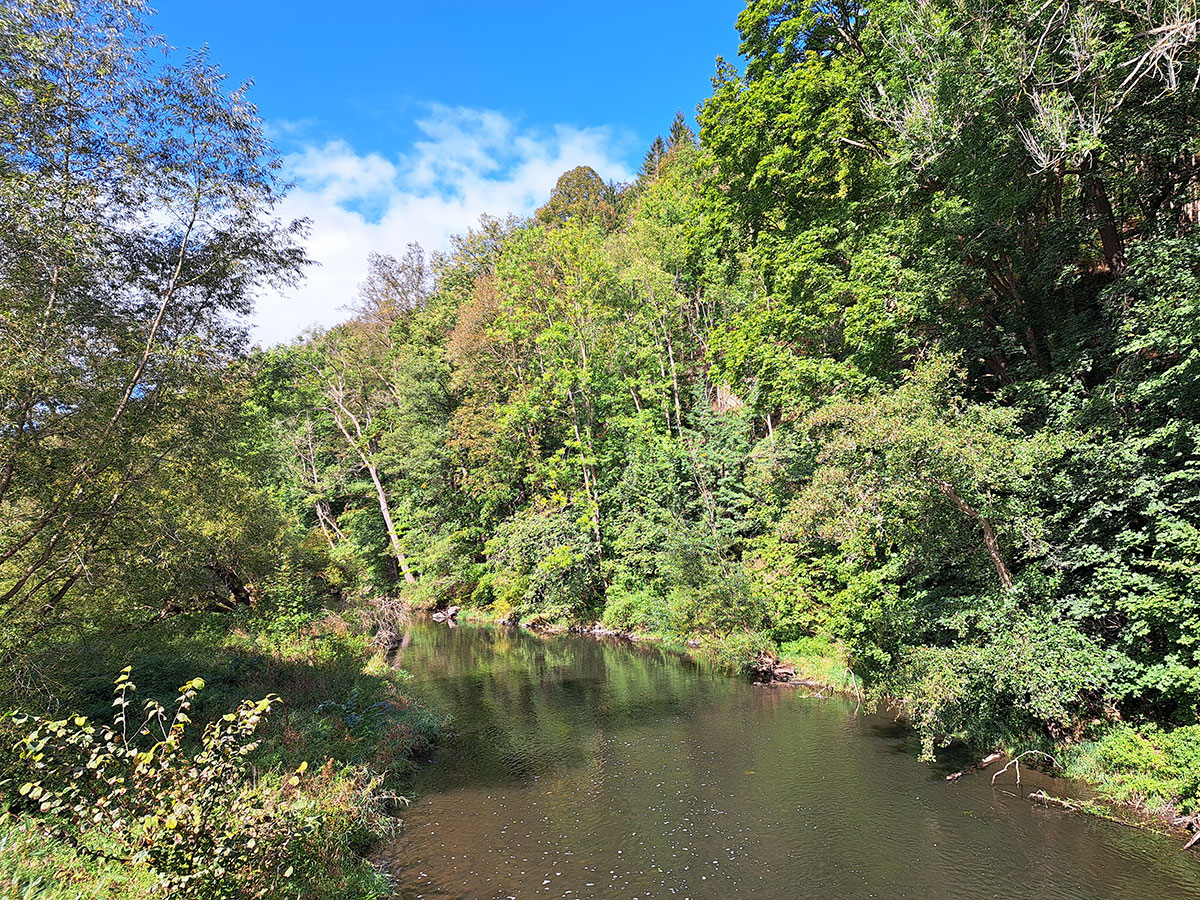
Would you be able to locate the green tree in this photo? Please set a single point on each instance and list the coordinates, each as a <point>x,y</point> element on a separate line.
<point>357,372</point>
<point>135,223</point>
<point>582,195</point>
<point>652,160</point>
<point>680,133</point>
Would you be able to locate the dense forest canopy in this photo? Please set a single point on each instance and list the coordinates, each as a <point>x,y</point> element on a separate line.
<point>899,353</point>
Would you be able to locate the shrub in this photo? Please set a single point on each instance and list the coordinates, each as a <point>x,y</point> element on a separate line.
<point>741,650</point>
<point>1037,675</point>
<point>145,792</point>
<point>548,559</point>
<point>635,609</point>
<point>1148,767</point>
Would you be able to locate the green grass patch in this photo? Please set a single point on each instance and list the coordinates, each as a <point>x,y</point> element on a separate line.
<point>819,660</point>
<point>338,699</point>
<point>1149,768</point>
<point>339,709</point>
<point>35,866</point>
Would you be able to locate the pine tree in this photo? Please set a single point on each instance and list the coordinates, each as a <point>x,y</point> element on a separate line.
<point>653,160</point>
<point>680,133</point>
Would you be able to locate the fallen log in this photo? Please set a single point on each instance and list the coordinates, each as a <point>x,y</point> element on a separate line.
<point>1048,799</point>
<point>1099,811</point>
<point>982,764</point>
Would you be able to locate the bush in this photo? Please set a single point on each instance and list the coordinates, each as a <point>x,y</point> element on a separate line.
<point>1037,675</point>
<point>1156,770</point>
<point>818,659</point>
<point>147,793</point>
<point>741,650</point>
<point>547,561</point>
<point>635,609</point>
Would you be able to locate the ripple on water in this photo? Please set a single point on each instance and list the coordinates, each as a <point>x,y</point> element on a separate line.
<point>590,770</point>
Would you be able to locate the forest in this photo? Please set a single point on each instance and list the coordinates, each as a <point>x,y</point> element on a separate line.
<point>892,366</point>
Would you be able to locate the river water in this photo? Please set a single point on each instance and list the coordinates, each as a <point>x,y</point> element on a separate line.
<point>587,769</point>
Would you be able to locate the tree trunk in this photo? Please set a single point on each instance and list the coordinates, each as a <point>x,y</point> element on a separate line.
<point>674,382</point>
<point>308,461</point>
<point>393,535</point>
<point>328,522</point>
<point>1095,196</point>
<point>230,578</point>
<point>589,477</point>
<point>990,539</point>
<point>380,493</point>
<point>1004,284</point>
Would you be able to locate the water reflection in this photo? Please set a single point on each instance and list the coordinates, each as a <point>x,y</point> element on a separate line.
<point>584,769</point>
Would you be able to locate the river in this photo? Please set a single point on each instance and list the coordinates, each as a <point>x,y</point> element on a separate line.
<point>587,769</point>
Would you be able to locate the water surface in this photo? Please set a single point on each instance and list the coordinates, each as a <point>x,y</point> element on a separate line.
<point>583,769</point>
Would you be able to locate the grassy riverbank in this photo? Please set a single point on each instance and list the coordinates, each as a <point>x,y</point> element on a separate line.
<point>1153,771</point>
<point>308,786</point>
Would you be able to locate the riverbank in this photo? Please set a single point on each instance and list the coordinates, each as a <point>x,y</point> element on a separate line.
<point>341,702</point>
<point>1140,777</point>
<point>318,772</point>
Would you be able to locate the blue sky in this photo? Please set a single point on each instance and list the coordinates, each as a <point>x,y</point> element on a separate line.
<point>406,121</point>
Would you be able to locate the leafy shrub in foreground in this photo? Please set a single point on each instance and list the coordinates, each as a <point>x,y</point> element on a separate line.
<point>200,819</point>
<point>1034,676</point>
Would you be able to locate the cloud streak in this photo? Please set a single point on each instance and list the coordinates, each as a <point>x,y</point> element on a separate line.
<point>467,162</point>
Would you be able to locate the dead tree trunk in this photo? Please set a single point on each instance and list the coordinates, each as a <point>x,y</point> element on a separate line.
<point>1095,196</point>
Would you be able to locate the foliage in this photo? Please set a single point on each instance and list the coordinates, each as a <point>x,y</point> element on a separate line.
<point>739,652</point>
<point>892,367</point>
<point>1129,512</point>
<point>583,196</point>
<point>551,556</point>
<point>199,820</point>
<point>897,356</point>
<point>1155,769</point>
<point>1022,673</point>
<point>136,193</point>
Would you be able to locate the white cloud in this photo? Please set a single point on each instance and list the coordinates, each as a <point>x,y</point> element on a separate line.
<point>469,162</point>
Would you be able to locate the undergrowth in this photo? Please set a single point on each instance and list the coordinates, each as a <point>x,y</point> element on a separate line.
<point>281,796</point>
<point>1152,769</point>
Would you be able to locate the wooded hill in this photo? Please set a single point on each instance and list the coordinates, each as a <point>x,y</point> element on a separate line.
<point>899,353</point>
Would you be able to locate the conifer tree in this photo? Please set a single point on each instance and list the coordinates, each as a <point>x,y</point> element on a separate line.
<point>680,133</point>
<point>652,161</point>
